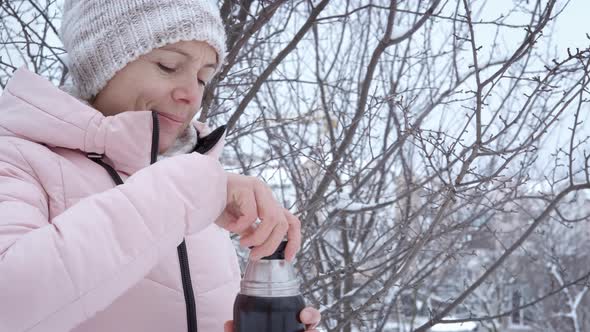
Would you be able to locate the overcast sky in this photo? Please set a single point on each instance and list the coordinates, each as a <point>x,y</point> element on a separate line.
<point>573,25</point>
<point>570,27</point>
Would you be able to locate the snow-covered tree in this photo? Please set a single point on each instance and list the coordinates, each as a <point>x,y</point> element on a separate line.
<point>429,148</point>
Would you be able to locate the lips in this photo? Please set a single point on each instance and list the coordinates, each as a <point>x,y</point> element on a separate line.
<point>173,117</point>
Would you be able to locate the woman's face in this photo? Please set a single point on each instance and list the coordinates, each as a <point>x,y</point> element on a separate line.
<point>169,80</point>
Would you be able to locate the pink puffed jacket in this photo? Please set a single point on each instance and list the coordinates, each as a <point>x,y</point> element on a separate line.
<point>79,253</point>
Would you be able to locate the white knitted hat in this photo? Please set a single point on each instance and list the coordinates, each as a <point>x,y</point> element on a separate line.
<point>102,36</point>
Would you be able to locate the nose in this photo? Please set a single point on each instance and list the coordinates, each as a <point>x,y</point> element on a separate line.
<point>188,91</point>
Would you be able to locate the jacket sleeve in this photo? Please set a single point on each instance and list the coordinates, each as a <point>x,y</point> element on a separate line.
<point>54,274</point>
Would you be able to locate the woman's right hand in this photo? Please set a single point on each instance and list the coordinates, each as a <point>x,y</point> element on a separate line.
<point>248,200</point>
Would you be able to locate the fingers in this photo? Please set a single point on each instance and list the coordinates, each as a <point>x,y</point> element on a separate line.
<point>257,202</point>
<point>293,236</point>
<point>273,226</point>
<point>271,242</point>
<point>257,234</point>
<point>310,317</point>
<point>228,326</point>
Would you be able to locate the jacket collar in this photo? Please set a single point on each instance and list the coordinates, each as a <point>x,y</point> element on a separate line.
<point>34,109</point>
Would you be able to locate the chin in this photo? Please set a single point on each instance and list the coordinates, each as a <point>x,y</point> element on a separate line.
<point>166,141</point>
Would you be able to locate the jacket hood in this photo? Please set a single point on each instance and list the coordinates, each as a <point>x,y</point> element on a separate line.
<point>34,109</point>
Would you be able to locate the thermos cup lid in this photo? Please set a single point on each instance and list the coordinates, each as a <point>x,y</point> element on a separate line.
<point>279,253</point>
<point>272,276</point>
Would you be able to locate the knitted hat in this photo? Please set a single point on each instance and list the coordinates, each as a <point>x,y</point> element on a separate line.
<point>102,36</point>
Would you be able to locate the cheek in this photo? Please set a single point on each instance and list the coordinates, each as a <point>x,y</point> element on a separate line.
<point>196,110</point>
<point>153,93</point>
<point>144,88</point>
<point>137,87</point>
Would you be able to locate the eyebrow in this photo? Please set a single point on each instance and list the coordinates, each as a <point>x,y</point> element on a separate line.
<point>178,50</point>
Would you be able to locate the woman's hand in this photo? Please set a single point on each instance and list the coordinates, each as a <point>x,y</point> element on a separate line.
<point>309,316</point>
<point>248,200</point>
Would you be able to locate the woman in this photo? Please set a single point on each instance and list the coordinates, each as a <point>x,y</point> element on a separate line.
<point>93,237</point>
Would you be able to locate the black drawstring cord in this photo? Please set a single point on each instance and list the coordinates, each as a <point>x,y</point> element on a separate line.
<point>97,158</point>
<point>155,137</point>
<point>187,286</point>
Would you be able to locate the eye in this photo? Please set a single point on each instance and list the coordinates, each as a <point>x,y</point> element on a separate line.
<point>166,69</point>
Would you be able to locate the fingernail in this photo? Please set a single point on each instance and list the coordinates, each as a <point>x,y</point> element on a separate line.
<point>305,315</point>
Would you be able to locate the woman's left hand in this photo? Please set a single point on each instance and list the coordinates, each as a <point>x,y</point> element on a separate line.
<point>308,316</point>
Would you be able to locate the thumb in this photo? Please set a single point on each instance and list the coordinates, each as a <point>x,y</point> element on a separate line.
<point>225,219</point>
<point>228,326</point>
<point>228,221</point>
<point>229,217</point>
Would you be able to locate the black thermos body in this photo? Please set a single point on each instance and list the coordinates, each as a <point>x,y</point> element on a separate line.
<point>269,299</point>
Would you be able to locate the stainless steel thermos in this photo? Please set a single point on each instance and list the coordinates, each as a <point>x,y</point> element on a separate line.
<point>269,299</point>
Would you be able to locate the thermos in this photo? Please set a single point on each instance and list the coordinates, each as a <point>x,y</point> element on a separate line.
<point>269,299</point>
